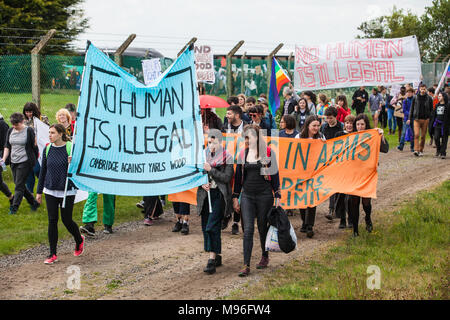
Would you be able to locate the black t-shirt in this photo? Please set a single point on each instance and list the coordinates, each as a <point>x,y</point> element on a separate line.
<point>302,118</point>
<point>440,113</point>
<point>330,132</point>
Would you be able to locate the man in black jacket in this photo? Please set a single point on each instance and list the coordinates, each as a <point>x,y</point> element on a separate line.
<point>360,98</point>
<point>419,115</point>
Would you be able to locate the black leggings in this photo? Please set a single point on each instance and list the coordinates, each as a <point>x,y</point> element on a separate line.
<point>255,206</point>
<point>399,127</point>
<point>354,202</point>
<point>308,216</point>
<point>53,204</point>
<point>342,207</point>
<point>152,206</point>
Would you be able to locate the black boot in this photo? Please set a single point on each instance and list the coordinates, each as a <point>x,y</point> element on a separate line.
<point>309,231</point>
<point>343,224</point>
<point>368,212</point>
<point>210,267</point>
<point>369,226</point>
<point>218,260</point>
<point>329,215</point>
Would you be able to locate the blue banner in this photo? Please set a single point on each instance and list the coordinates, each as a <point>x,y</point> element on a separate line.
<point>133,139</point>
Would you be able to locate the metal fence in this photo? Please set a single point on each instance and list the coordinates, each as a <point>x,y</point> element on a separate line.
<point>62,75</point>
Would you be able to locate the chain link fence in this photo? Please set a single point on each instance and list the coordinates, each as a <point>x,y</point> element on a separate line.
<point>61,79</point>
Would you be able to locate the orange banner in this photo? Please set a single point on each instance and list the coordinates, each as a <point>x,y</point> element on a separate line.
<point>313,170</point>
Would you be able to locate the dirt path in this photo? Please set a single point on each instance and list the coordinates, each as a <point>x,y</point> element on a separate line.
<point>139,262</point>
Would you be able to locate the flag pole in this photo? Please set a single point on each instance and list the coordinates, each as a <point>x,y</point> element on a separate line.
<point>441,81</point>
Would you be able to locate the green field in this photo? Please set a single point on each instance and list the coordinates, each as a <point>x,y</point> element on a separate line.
<point>409,245</point>
<point>51,102</point>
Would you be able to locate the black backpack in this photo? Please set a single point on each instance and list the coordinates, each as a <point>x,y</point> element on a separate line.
<point>279,219</point>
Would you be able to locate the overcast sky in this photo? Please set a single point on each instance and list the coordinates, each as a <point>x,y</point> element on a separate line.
<point>168,24</point>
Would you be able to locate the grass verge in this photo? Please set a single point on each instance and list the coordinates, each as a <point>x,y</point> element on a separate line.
<point>410,246</point>
<point>27,229</point>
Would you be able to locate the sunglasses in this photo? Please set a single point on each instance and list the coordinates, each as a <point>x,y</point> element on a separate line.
<point>253,114</point>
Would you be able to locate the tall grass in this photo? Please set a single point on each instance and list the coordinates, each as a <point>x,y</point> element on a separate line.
<point>410,246</point>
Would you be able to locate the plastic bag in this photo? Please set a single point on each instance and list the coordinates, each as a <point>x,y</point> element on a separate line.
<point>272,240</point>
<point>293,236</point>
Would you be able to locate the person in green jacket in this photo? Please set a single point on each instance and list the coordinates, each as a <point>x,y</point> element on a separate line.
<point>90,213</point>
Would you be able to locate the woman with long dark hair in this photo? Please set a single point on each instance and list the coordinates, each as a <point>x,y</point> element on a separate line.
<point>362,123</point>
<point>21,151</point>
<point>311,100</point>
<point>52,182</point>
<point>311,130</point>
<point>441,124</point>
<point>342,108</point>
<point>219,166</point>
<point>31,111</point>
<point>258,179</point>
<point>300,113</point>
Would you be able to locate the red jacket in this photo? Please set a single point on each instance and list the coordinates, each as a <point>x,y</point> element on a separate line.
<point>342,114</point>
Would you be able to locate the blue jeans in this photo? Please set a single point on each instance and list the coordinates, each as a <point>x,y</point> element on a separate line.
<point>392,123</point>
<point>402,139</point>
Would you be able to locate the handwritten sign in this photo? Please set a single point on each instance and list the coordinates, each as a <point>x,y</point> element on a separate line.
<point>133,139</point>
<point>204,64</point>
<point>357,62</point>
<point>151,69</point>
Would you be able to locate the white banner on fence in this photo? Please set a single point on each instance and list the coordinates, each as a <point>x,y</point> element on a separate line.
<point>204,64</point>
<point>356,63</point>
<point>151,68</point>
<point>42,138</point>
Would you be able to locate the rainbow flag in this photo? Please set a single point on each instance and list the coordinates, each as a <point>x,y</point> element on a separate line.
<point>277,80</point>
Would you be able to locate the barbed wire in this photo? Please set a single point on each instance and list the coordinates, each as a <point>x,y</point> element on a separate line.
<point>144,36</point>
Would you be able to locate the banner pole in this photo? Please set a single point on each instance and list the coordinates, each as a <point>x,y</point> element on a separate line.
<point>209,193</point>
<point>75,125</point>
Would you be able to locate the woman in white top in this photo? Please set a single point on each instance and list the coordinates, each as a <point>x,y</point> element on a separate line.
<point>52,182</point>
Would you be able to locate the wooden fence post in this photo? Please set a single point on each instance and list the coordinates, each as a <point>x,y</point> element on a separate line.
<point>229,73</point>
<point>192,41</point>
<point>242,70</point>
<point>122,48</point>
<point>289,65</point>
<point>269,65</point>
<point>36,67</point>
